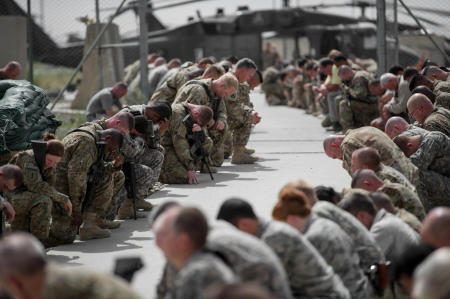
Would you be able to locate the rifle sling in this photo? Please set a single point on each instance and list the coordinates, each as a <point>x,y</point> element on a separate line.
<point>83,131</point>
<point>210,96</point>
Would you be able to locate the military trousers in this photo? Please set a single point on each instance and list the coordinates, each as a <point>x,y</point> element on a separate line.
<point>33,212</point>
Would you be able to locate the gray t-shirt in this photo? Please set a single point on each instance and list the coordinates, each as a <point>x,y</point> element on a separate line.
<point>99,103</point>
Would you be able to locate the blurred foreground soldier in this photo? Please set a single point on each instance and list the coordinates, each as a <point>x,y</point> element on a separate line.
<point>237,291</point>
<point>251,260</point>
<point>33,201</point>
<point>432,276</point>
<point>359,107</point>
<point>11,177</point>
<point>26,274</point>
<point>369,158</point>
<point>436,228</point>
<point>429,117</point>
<point>392,235</point>
<point>101,104</point>
<point>382,201</point>
<point>369,253</point>
<point>272,87</point>
<point>400,195</point>
<point>327,237</point>
<point>308,273</point>
<point>180,165</point>
<point>397,126</point>
<point>211,93</point>
<point>10,71</point>
<point>82,150</point>
<point>181,235</point>
<point>342,147</point>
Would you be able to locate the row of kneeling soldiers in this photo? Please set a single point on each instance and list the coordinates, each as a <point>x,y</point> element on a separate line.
<point>106,168</point>
<point>313,248</point>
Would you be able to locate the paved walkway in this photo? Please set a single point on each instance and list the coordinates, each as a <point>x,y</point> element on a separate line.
<point>289,144</point>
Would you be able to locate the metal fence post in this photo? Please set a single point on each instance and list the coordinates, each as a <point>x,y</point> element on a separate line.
<point>30,42</point>
<point>143,49</point>
<point>381,36</point>
<point>99,51</point>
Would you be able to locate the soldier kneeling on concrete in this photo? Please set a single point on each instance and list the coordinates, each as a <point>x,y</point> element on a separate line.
<point>180,163</point>
<point>33,201</point>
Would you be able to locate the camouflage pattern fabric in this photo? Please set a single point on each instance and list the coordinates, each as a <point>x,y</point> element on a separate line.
<point>368,251</point>
<point>433,189</point>
<point>239,115</point>
<point>404,198</point>
<point>33,201</point>
<point>337,249</point>
<point>440,87</point>
<point>272,88</point>
<point>309,274</point>
<point>433,153</point>
<point>409,219</point>
<point>249,258</point>
<point>389,152</point>
<point>438,120</point>
<point>413,131</point>
<point>169,89</point>
<point>202,270</point>
<point>78,283</point>
<point>443,100</point>
<point>177,159</point>
<point>387,173</point>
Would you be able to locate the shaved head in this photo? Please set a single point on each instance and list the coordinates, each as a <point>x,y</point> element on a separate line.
<point>395,126</point>
<point>436,227</point>
<point>332,146</point>
<point>366,179</point>
<point>408,144</point>
<point>366,157</point>
<point>419,107</point>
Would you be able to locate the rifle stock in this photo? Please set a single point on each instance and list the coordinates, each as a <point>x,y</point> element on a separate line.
<point>39,147</point>
<point>130,183</point>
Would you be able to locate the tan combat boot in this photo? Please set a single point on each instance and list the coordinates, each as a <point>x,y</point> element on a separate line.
<point>90,230</point>
<point>126,211</point>
<point>142,204</point>
<point>105,223</point>
<point>249,150</point>
<point>241,157</point>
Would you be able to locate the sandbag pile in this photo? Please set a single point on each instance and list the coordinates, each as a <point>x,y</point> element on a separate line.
<point>23,115</point>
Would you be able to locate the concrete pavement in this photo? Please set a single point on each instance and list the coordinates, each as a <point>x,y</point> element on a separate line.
<point>289,144</point>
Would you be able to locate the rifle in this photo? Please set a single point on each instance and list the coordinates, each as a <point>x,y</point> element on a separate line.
<point>196,140</point>
<point>130,182</point>
<point>150,136</point>
<point>39,147</point>
<point>95,175</point>
<point>215,101</point>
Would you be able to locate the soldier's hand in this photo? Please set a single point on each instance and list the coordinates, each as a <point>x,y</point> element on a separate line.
<point>196,128</point>
<point>220,125</point>
<point>9,212</point>
<point>163,126</point>
<point>256,117</point>
<point>68,207</point>
<point>192,176</point>
<point>118,160</point>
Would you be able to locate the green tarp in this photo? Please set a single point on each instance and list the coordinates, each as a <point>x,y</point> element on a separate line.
<point>23,115</point>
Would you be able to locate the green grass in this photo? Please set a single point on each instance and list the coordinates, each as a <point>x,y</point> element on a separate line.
<point>50,77</point>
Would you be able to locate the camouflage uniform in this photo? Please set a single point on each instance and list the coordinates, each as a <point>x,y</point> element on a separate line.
<point>387,173</point>
<point>309,274</point>
<point>403,197</point>
<point>239,116</point>
<point>413,131</point>
<point>272,88</point>
<point>33,201</point>
<point>390,154</point>
<point>202,270</point>
<point>409,219</point>
<point>440,87</point>
<point>196,94</point>
<point>443,100</point>
<point>78,283</point>
<point>249,258</point>
<point>169,89</point>
<point>80,153</point>
<point>432,159</point>
<point>177,159</point>
<point>298,91</point>
<point>365,245</point>
<point>337,249</point>
<point>438,120</point>
<point>359,107</point>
